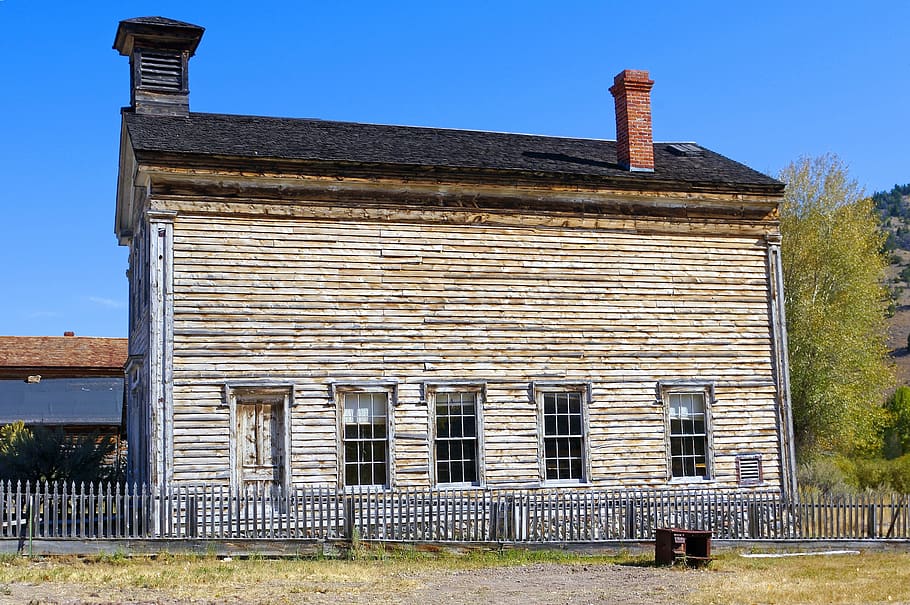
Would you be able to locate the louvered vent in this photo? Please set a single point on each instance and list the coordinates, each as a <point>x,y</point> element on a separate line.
<point>748,469</point>
<point>684,149</point>
<point>161,71</point>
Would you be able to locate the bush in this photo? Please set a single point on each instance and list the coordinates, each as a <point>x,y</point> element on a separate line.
<point>824,475</point>
<point>42,454</point>
<point>879,474</point>
<point>838,476</point>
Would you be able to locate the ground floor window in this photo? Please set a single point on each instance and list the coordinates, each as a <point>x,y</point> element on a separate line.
<point>365,420</point>
<point>456,437</point>
<point>564,445</point>
<point>687,413</point>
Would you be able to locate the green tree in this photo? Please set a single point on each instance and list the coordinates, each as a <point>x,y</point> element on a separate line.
<point>836,303</point>
<point>897,431</point>
<point>42,454</point>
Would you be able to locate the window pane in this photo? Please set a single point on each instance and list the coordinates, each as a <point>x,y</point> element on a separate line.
<point>442,425</point>
<point>350,474</point>
<point>549,403</point>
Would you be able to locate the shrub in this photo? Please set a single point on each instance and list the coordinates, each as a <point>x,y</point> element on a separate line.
<point>824,474</point>
<point>42,454</point>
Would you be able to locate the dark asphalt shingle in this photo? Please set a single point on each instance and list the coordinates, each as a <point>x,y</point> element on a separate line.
<point>238,136</point>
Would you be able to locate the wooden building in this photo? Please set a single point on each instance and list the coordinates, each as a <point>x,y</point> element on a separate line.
<point>72,383</point>
<point>317,302</point>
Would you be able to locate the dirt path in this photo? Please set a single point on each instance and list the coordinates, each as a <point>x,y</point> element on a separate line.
<point>571,584</point>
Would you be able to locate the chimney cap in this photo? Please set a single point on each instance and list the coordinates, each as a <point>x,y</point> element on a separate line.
<point>157,32</point>
<point>632,77</point>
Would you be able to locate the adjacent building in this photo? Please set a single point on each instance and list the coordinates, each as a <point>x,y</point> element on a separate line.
<point>72,383</point>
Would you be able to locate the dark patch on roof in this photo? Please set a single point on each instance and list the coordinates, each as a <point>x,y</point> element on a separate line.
<point>202,134</point>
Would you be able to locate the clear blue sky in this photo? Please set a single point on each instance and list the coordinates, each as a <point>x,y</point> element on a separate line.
<point>762,83</point>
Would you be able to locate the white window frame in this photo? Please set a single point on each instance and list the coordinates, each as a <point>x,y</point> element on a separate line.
<point>430,391</point>
<point>338,392</point>
<point>583,389</point>
<point>283,394</point>
<point>689,387</point>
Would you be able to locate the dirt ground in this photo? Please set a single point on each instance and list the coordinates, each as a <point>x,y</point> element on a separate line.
<point>575,584</point>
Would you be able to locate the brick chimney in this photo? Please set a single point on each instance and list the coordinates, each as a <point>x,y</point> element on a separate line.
<point>159,50</point>
<point>631,91</point>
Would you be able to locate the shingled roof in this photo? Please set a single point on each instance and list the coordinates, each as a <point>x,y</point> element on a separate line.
<point>79,355</point>
<point>564,159</point>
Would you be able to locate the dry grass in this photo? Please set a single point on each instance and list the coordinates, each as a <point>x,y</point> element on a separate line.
<point>866,578</point>
<point>186,578</point>
<point>375,576</point>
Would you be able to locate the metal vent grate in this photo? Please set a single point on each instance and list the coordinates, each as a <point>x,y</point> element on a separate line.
<point>161,71</point>
<point>749,469</point>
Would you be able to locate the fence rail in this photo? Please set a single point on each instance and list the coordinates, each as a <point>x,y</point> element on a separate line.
<point>211,512</point>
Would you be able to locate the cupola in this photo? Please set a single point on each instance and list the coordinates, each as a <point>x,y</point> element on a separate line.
<point>159,50</point>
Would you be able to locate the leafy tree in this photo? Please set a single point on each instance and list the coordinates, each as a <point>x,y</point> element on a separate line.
<point>897,432</point>
<point>42,454</point>
<point>836,304</point>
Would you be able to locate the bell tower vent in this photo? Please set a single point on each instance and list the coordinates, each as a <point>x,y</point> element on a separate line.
<point>159,50</point>
<point>161,71</point>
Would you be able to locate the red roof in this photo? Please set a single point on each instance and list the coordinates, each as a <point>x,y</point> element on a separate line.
<point>63,352</point>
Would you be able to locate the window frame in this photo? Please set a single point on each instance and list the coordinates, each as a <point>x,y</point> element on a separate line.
<point>430,390</point>
<point>338,392</point>
<point>583,389</point>
<point>688,387</point>
<point>283,395</point>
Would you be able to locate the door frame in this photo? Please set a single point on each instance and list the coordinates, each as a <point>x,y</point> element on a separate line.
<point>283,396</point>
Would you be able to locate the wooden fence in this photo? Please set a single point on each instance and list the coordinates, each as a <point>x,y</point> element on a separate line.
<point>212,512</point>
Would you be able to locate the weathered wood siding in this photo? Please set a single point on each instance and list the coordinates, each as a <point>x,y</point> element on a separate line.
<point>308,302</point>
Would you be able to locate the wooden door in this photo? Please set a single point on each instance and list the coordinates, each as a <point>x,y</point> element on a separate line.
<point>260,442</point>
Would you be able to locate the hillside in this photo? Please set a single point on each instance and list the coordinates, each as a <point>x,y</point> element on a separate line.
<point>894,208</point>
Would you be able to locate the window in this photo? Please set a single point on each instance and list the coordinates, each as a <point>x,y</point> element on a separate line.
<point>563,433</point>
<point>688,420</point>
<point>457,445</point>
<point>365,419</point>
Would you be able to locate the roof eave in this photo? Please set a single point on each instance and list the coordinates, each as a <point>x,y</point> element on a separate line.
<point>634,182</point>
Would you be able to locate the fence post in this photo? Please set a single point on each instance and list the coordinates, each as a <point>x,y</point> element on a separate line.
<point>510,518</point>
<point>754,520</point>
<point>192,522</point>
<point>348,517</point>
<point>630,519</point>
<point>871,521</point>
